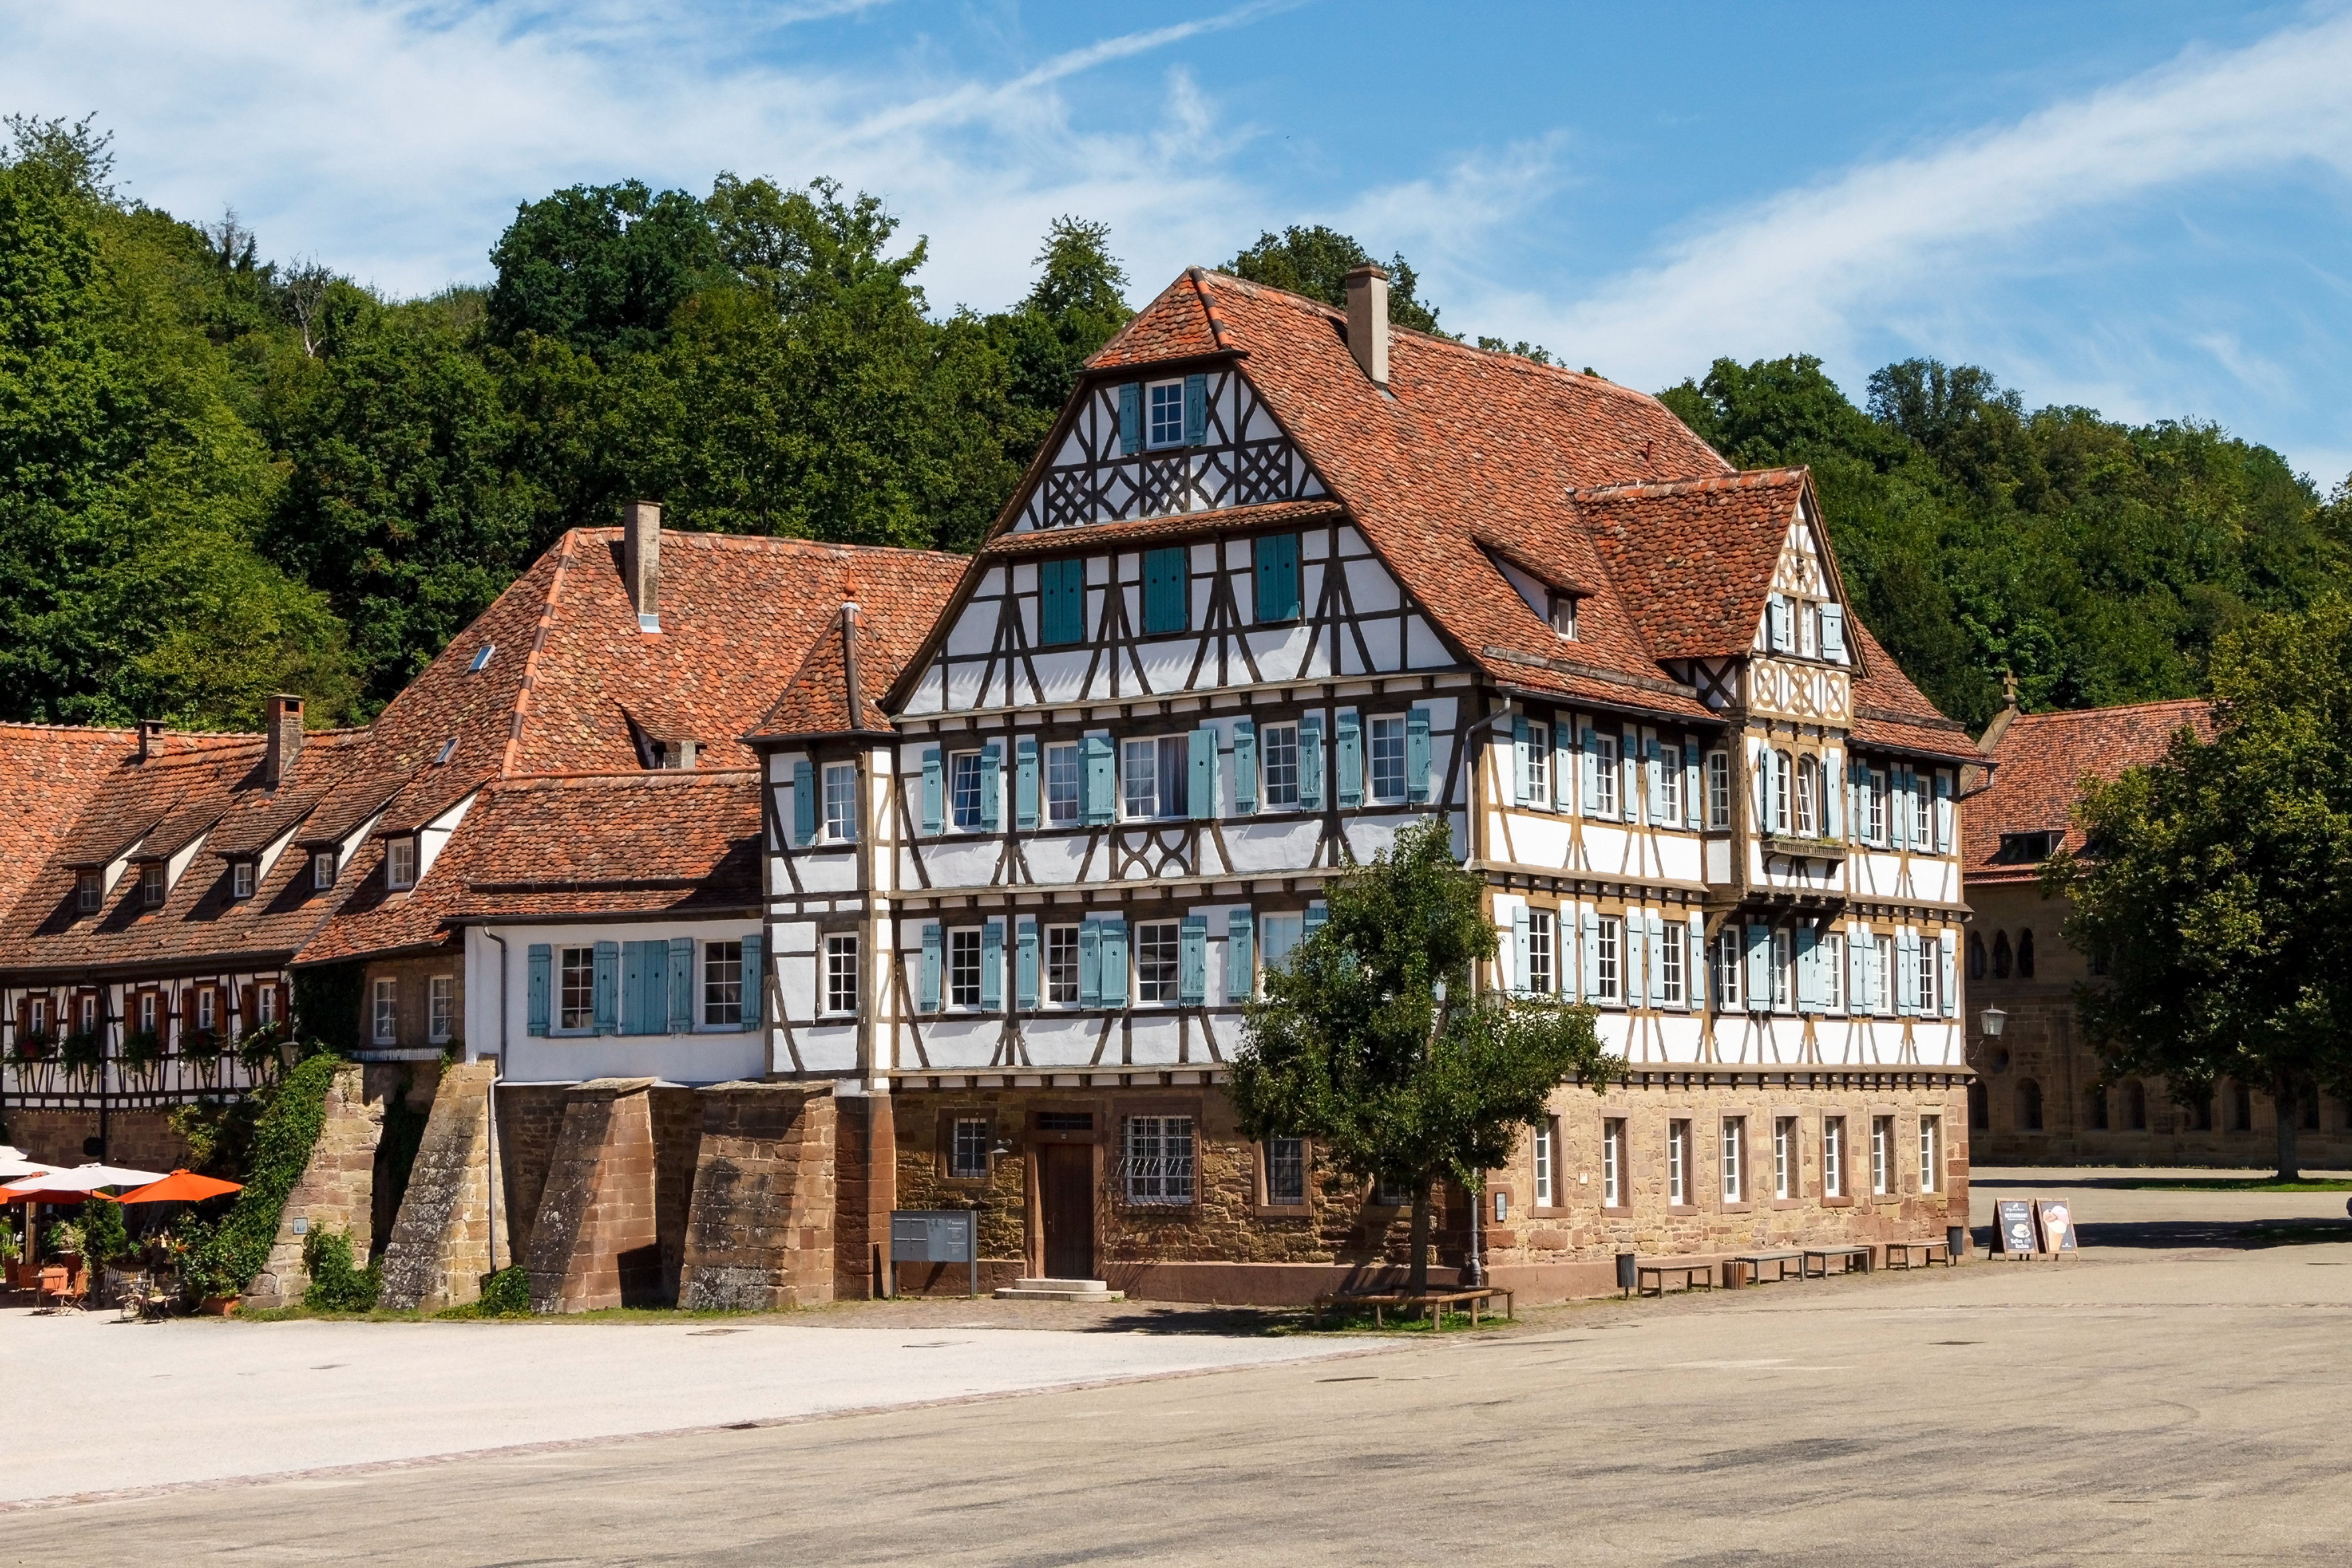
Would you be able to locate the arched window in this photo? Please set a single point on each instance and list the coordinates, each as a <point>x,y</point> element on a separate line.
<point>1979,1106</point>
<point>2025,954</point>
<point>2000,955</point>
<point>1976,956</point>
<point>2135,1105</point>
<point>1780,775</point>
<point>2029,1105</point>
<point>1809,795</point>
<point>2095,1108</point>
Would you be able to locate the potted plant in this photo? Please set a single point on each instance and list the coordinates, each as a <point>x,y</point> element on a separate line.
<point>142,1048</point>
<point>12,1256</point>
<point>35,1045</point>
<point>82,1053</point>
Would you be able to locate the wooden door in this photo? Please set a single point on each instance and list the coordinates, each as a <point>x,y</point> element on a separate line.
<point>1065,1187</point>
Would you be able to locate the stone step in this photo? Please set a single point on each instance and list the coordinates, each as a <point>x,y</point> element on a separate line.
<point>1059,1290</point>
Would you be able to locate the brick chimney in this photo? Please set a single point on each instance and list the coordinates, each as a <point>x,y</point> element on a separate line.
<point>1368,322</point>
<point>150,738</point>
<point>641,561</point>
<point>285,739</point>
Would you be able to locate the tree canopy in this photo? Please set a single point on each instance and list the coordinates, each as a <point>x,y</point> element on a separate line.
<point>1315,261</point>
<point>1356,1045</point>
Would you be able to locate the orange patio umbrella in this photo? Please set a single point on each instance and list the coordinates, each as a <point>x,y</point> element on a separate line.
<point>179,1187</point>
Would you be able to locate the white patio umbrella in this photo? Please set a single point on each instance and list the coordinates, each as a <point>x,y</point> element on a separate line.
<point>13,1164</point>
<point>84,1180</point>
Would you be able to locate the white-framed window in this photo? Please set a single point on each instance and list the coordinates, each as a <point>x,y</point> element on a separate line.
<point>963,967</point>
<point>1670,783</point>
<point>1539,764</point>
<point>1718,789</point>
<point>576,998</point>
<point>1390,1193</point>
<point>1604,775</point>
<point>1670,963</point>
<point>149,1010</point>
<point>1781,961</point>
<point>1881,976</point>
<point>322,868</point>
<point>1159,1159</point>
<point>207,1012</point>
<point>441,1008</point>
<point>1279,767</point>
<point>1829,955</point>
<point>840,980</point>
<point>1285,1170</point>
<point>265,1009</point>
<point>1882,1153</point>
<point>1158,952</point>
<point>1613,1164</point>
<point>1609,958</point>
<point>1727,967</point>
<point>1164,405</point>
<point>1784,1154</point>
<point>1872,808</point>
<point>840,790</point>
<point>240,879</point>
<point>963,790</point>
<point>968,1149</point>
<point>1061,786</point>
<point>1832,1156</point>
<point>1152,777</point>
<point>1931,1138</point>
<point>1922,818</point>
<point>1278,937</point>
<point>1806,616</point>
<point>1543,979</point>
<point>89,890</point>
<point>1563,617</point>
<point>1809,796</point>
<point>36,1014</point>
<point>151,884</point>
<point>1735,1158</point>
<point>1388,759</point>
<point>1783,773</point>
<point>1542,1153</point>
<point>1678,1162</point>
<point>723,984</point>
<point>1062,966</point>
<point>400,862</point>
<point>1931,952</point>
<point>387,1012</point>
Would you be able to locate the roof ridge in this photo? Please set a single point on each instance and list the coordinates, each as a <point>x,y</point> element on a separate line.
<point>1743,479</point>
<point>538,645</point>
<point>91,730</point>
<point>639,775</point>
<point>787,542</point>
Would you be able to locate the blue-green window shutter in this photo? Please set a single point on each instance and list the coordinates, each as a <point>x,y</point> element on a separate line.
<point>1653,769</point>
<point>681,985</point>
<point>1024,783</point>
<point>1062,601</point>
<point>1694,976</point>
<point>1416,756</point>
<point>1310,762</point>
<point>1906,974</point>
<point>1520,791</point>
<point>1589,774</point>
<point>1131,418</point>
<point>1196,409</point>
<point>991,966</point>
<point>1587,948</point>
<point>1563,764</point>
<point>1653,947</point>
<point>1351,760</point>
<point>1944,990</point>
<point>1943,814</point>
<point>1201,798</point>
<point>992,787</point>
<point>1312,922</point>
<point>1114,962</point>
<point>1833,631</point>
<point>607,997</point>
<point>1776,624</point>
<point>1857,971</point>
<point>804,804</point>
<point>1833,800</point>
<point>1275,556</point>
<point>541,989</point>
<point>1760,969</point>
<point>1518,980</point>
<point>1808,980</point>
<point>934,792</point>
<point>635,984</point>
<point>1090,964</point>
<point>755,981</point>
<point>1630,795</point>
<point>1244,767</point>
<point>1167,583</point>
<point>1024,964</point>
<point>1241,963</point>
<point>1694,809</point>
<point>1100,780</point>
<point>1898,810</point>
<point>928,992</point>
<point>1193,961</point>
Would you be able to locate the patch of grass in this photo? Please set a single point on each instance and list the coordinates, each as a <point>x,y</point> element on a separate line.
<point>2229,1184</point>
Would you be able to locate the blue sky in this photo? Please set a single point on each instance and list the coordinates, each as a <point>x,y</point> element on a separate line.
<point>2141,207</point>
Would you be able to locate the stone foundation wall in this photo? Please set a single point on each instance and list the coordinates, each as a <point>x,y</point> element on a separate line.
<point>530,1119</point>
<point>594,1243</point>
<point>676,1117</point>
<point>761,1232</point>
<point>336,1191</point>
<point>856,1237</point>
<point>142,1140</point>
<point>446,1237</point>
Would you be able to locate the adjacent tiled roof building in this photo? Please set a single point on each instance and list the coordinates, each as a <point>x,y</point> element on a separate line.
<point>2040,763</point>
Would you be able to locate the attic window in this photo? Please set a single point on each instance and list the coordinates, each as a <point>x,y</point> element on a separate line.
<point>151,884</point>
<point>2026,849</point>
<point>90,890</point>
<point>449,749</point>
<point>400,862</point>
<point>240,879</point>
<point>322,868</point>
<point>1563,615</point>
<point>482,658</point>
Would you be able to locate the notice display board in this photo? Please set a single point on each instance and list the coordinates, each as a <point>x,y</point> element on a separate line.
<point>2013,1227</point>
<point>2057,1226</point>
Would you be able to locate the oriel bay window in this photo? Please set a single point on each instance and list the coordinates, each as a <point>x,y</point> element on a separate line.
<point>841,802</point>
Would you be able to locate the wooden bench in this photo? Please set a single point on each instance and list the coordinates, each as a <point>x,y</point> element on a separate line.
<point>1694,1276</point>
<point>1917,1254</point>
<point>1435,1301</point>
<point>1755,1262</point>
<point>1850,1258</point>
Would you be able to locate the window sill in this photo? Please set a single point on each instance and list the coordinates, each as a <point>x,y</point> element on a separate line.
<point>1740,1206</point>
<point>1788,1203</point>
<point>1837,1203</point>
<point>1617,1211</point>
<point>1682,1208</point>
<point>1284,1211</point>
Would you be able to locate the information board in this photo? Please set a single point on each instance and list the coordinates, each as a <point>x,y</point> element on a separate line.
<point>2014,1225</point>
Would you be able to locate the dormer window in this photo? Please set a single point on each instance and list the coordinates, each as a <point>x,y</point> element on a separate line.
<point>1563,615</point>
<point>1165,400</point>
<point>240,879</point>
<point>322,868</point>
<point>89,891</point>
<point>400,862</point>
<point>151,884</point>
<point>481,659</point>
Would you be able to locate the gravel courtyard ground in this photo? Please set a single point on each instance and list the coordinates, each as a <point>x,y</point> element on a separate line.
<point>2158,1397</point>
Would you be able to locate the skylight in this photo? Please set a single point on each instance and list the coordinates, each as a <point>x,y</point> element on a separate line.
<point>481,661</point>
<point>449,746</point>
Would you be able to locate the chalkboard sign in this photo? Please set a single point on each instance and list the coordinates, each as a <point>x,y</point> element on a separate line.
<point>2015,1227</point>
<point>2057,1226</point>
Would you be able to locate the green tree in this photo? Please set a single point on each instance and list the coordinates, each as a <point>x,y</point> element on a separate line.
<point>599,267</point>
<point>1371,1041</point>
<point>1315,261</point>
<point>2217,881</point>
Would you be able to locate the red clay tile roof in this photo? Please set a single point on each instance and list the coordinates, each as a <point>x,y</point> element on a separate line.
<point>52,772</point>
<point>2040,763</point>
<point>1694,559</point>
<point>1184,525</point>
<point>895,612</point>
<point>1889,711</point>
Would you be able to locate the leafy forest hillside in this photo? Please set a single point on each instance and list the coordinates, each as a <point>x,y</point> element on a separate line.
<point>223,476</point>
